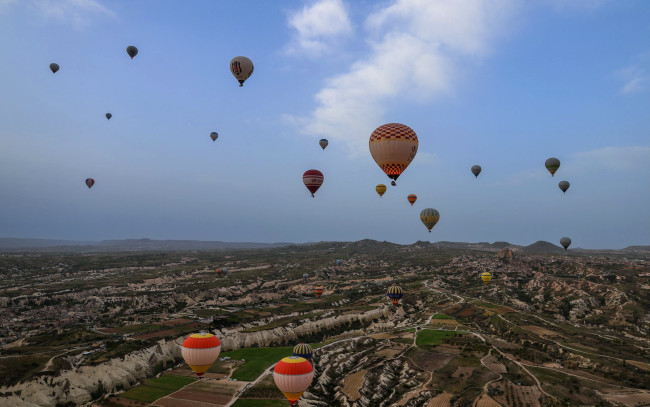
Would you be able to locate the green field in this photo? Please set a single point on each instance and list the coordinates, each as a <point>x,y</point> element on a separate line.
<point>153,389</point>
<point>429,337</point>
<point>441,316</point>
<point>138,328</point>
<point>260,403</point>
<point>257,360</point>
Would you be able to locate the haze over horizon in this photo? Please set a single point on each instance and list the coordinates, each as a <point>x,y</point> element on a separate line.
<point>505,85</point>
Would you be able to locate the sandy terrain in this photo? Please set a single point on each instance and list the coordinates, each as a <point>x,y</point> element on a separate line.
<point>352,384</point>
<point>485,401</point>
<point>441,400</point>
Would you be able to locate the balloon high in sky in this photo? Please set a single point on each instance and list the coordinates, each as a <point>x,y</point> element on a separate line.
<point>493,88</point>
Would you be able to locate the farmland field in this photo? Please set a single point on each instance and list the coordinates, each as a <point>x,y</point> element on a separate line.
<point>441,400</point>
<point>153,389</point>
<point>257,360</point>
<point>428,337</point>
<point>260,403</point>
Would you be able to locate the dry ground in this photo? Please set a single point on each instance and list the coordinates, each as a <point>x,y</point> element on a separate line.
<point>639,398</point>
<point>464,372</point>
<point>485,401</point>
<point>353,383</point>
<point>541,331</point>
<point>441,400</point>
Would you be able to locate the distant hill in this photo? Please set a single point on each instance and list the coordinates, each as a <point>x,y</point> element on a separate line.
<point>542,247</point>
<point>496,246</point>
<point>127,245</point>
<point>638,248</point>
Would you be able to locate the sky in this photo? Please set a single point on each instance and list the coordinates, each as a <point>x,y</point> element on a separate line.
<point>504,84</point>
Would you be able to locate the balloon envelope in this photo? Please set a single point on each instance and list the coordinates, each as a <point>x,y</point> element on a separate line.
<point>132,51</point>
<point>395,293</point>
<point>214,135</point>
<point>476,169</point>
<point>200,351</point>
<point>241,68</point>
<point>90,182</point>
<point>412,198</point>
<point>486,277</point>
<point>303,350</point>
<point>564,185</point>
<point>293,375</point>
<point>312,179</point>
<point>323,143</point>
<point>393,146</point>
<point>429,217</point>
<point>381,189</point>
<point>318,291</point>
<point>54,67</point>
<point>552,165</point>
<point>108,116</point>
<point>339,262</point>
<point>565,242</point>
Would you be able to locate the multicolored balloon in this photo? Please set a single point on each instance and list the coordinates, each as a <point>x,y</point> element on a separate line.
<point>393,146</point>
<point>132,51</point>
<point>303,350</point>
<point>486,277</point>
<point>381,189</point>
<point>293,375</point>
<point>214,135</point>
<point>312,179</point>
<point>319,291</point>
<point>412,198</point>
<point>108,116</point>
<point>90,182</point>
<point>476,169</point>
<point>564,185</point>
<point>323,143</point>
<point>429,217</point>
<point>552,165</point>
<point>565,242</point>
<point>241,68</point>
<point>395,294</point>
<point>54,67</point>
<point>200,351</point>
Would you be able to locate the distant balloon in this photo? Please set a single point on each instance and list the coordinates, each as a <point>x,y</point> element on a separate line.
<point>412,198</point>
<point>303,350</point>
<point>108,116</point>
<point>552,165</point>
<point>241,68</point>
<point>54,67</point>
<point>486,277</point>
<point>319,291</point>
<point>395,293</point>
<point>200,351</point>
<point>224,270</point>
<point>381,189</point>
<point>312,179</point>
<point>393,146</point>
<point>293,375</point>
<point>219,271</point>
<point>214,135</point>
<point>564,185</point>
<point>339,262</point>
<point>323,143</point>
<point>476,169</point>
<point>429,217</point>
<point>305,276</point>
<point>90,182</point>
<point>565,242</point>
<point>132,51</point>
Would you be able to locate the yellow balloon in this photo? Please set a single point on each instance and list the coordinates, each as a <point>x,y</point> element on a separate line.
<point>381,189</point>
<point>486,277</point>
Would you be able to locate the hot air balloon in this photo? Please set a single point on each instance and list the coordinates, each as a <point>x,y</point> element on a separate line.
<point>214,135</point>
<point>476,169</point>
<point>224,270</point>
<point>54,67</point>
<point>219,271</point>
<point>552,164</point>
<point>429,217</point>
<point>565,242</point>
<point>323,143</point>
<point>564,185</point>
<point>393,146</point>
<point>303,350</point>
<point>486,277</point>
<point>108,116</point>
<point>200,351</point>
<point>339,262</point>
<point>241,68</point>
<point>305,276</point>
<point>293,375</point>
<point>90,182</point>
<point>132,51</point>
<point>395,293</point>
<point>412,198</point>
<point>313,179</point>
<point>381,189</point>
<point>318,291</point>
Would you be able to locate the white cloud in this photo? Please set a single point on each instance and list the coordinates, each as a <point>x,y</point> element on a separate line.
<point>613,158</point>
<point>77,12</point>
<point>636,77</point>
<point>415,48</point>
<point>318,25</point>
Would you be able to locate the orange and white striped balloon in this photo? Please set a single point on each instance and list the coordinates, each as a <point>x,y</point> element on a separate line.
<point>200,351</point>
<point>293,375</point>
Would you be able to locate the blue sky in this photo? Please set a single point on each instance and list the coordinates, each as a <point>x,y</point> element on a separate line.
<point>502,84</point>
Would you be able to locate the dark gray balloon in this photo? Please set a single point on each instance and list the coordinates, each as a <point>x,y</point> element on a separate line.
<point>564,185</point>
<point>565,242</point>
<point>54,67</point>
<point>305,275</point>
<point>214,135</point>
<point>476,169</point>
<point>552,165</point>
<point>132,51</point>
<point>108,116</point>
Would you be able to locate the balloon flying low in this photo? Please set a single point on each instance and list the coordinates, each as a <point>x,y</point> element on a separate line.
<point>312,179</point>
<point>486,277</point>
<point>564,185</point>
<point>476,169</point>
<point>395,294</point>
<point>318,291</point>
<point>339,262</point>
<point>293,375</point>
<point>305,276</point>
<point>412,198</point>
<point>323,143</point>
<point>303,350</point>
<point>132,51</point>
<point>429,217</point>
<point>381,189</point>
<point>565,242</point>
<point>241,68</point>
<point>54,67</point>
<point>393,146</point>
<point>108,116</point>
<point>90,182</point>
<point>200,351</point>
<point>214,135</point>
<point>552,165</point>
